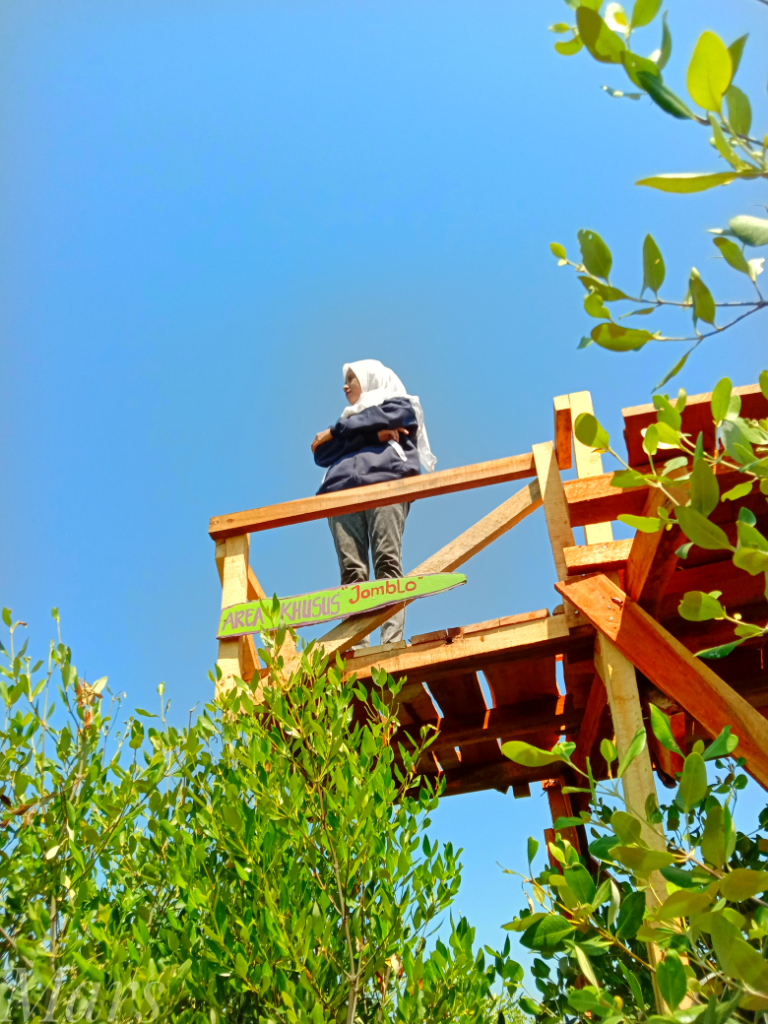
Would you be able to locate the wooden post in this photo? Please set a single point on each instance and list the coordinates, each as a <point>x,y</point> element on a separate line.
<point>232,554</point>
<point>556,512</point>
<point>588,463</point>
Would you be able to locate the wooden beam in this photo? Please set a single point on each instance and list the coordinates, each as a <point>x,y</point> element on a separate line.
<point>670,666</point>
<point>234,589</point>
<point>459,551</point>
<point>605,557</point>
<point>556,512</point>
<point>588,463</point>
<point>697,417</point>
<point>563,431</point>
<point>357,499</point>
<point>512,721</point>
<point>560,807</point>
<point>590,723</point>
<point>653,560</point>
<point>537,636</point>
<point>501,776</point>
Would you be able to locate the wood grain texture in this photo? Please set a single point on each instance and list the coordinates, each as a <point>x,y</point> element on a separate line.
<point>430,658</point>
<point>459,551</point>
<point>233,560</point>
<point>602,557</point>
<point>591,723</point>
<point>697,417</point>
<point>671,667</point>
<point>356,499</point>
<point>653,560</point>
<point>563,431</point>
<point>588,463</point>
<point>556,512</point>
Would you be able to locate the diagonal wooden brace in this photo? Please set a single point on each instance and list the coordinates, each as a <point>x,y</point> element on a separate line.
<point>671,666</point>
<point>459,551</point>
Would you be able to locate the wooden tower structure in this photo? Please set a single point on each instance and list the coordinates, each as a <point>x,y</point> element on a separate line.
<point>616,629</point>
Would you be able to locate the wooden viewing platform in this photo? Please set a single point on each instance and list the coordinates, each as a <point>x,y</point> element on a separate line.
<point>616,629</point>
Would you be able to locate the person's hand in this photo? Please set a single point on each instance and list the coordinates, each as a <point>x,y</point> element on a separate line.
<point>391,435</point>
<point>321,438</point>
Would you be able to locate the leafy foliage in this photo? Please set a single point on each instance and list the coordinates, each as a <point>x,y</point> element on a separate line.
<point>267,863</point>
<point>726,111</point>
<point>689,924</point>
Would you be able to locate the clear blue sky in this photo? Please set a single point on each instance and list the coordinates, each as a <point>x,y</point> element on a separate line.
<point>208,207</point>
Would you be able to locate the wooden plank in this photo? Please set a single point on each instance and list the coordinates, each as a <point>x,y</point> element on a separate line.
<point>556,512</point>
<point>488,529</point>
<point>671,667</point>
<point>430,658</point>
<point>560,807</point>
<point>234,587</point>
<point>697,417</point>
<point>602,557</point>
<point>652,560</point>
<point>357,499</point>
<point>588,463</point>
<point>563,430</point>
<point>473,778</point>
<point>460,697</point>
<point>593,500</point>
<point>591,723</point>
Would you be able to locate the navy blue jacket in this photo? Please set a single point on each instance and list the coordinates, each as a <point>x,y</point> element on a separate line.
<point>355,456</point>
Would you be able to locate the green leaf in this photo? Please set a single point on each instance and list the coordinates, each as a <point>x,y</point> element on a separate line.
<point>530,756</point>
<point>661,56</point>
<point>750,230</point>
<point>585,965</point>
<point>764,383</point>
<point>739,110</point>
<point>739,491</point>
<point>645,524</point>
<point>588,430</point>
<point>733,255</point>
<point>626,826</point>
<point>533,846</point>
<point>703,303</point>
<point>674,371</point>
<point>644,12</point>
<point>713,838</point>
<point>742,883</point>
<point>721,399</point>
<point>595,254</point>
<point>557,250</point>
<point>570,47</point>
<point>736,49</point>
<point>642,862</point>
<point>684,904</point>
<point>619,94</point>
<point>654,270</point>
<point>606,291</point>
<point>593,305</point>
<point>662,730</point>
<point>604,45</point>
<point>709,72</point>
<point>697,606</point>
<point>7,616</point>
<point>547,933</point>
<point>635,747</point>
<point>725,149</point>
<point>701,531</point>
<point>581,883</point>
<point>722,651</point>
<point>751,560</point>
<point>630,915</point>
<point>693,783</point>
<point>671,979</point>
<point>662,95</point>
<point>628,478</point>
<point>705,490</point>
<point>608,750</point>
<point>618,338</point>
<point>688,182</point>
<point>634,64</point>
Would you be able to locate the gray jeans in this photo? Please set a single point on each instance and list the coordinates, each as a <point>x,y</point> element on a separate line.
<point>380,531</point>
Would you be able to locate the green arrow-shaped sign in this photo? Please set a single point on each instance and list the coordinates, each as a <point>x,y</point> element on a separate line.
<point>338,603</point>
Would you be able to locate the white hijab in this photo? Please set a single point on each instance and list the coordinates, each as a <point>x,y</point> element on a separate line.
<point>380,383</point>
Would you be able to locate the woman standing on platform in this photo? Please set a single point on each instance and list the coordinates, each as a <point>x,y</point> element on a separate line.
<point>380,436</point>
